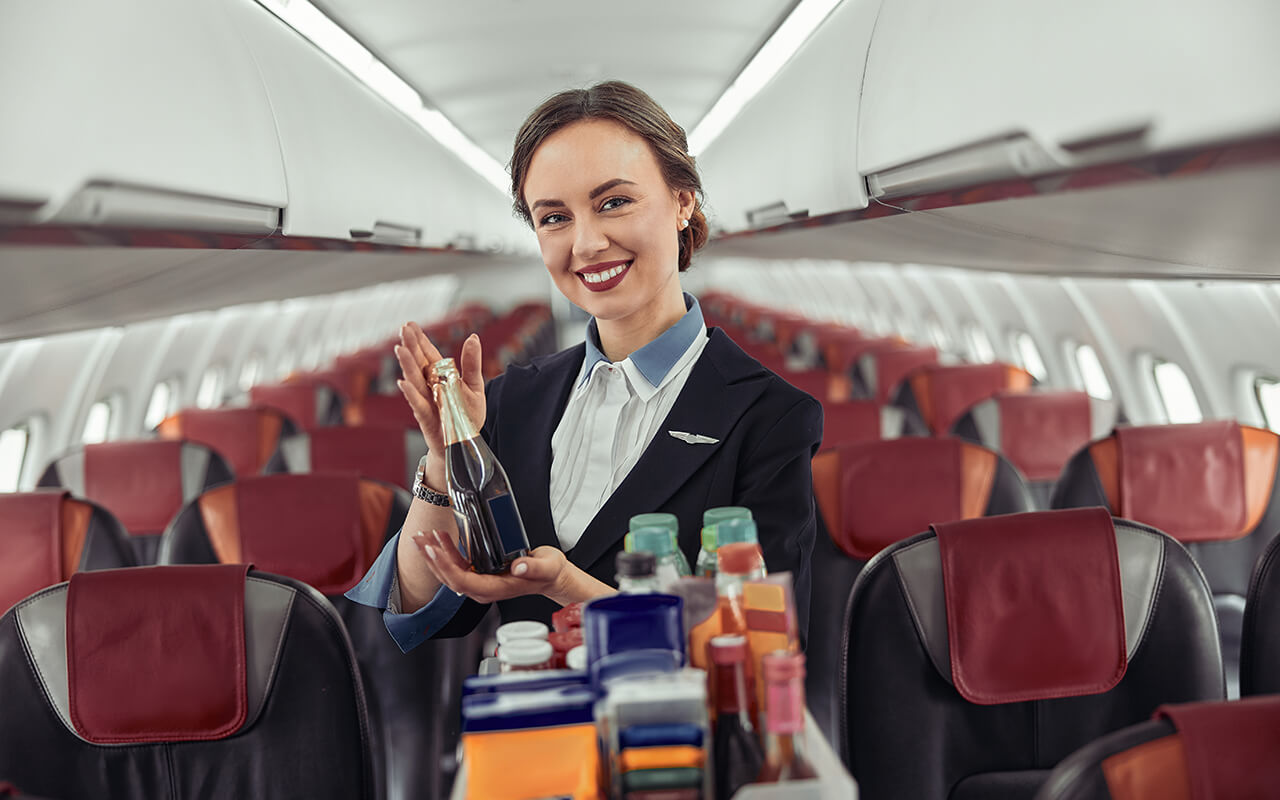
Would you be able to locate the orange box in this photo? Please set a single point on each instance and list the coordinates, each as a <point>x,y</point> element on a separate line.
<point>535,762</point>
<point>661,757</point>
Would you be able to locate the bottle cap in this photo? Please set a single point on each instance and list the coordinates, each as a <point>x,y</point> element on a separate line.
<point>568,617</point>
<point>714,516</point>
<point>709,539</point>
<point>736,530</point>
<point>635,565</point>
<point>524,629</point>
<point>780,666</point>
<point>739,558</point>
<point>728,649</point>
<point>577,658</point>
<point>655,520</point>
<point>652,540</point>
<point>525,652</point>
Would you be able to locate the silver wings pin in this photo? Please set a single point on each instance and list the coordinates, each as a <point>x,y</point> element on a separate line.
<point>693,438</point>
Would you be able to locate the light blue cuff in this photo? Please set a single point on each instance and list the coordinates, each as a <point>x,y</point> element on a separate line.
<point>408,630</point>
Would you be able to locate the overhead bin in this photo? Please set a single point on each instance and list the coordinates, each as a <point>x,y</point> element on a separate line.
<point>791,151</point>
<point>153,117</point>
<point>973,91</point>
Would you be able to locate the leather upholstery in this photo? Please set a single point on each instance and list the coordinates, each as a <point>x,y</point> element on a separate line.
<point>143,483</point>
<point>309,404</point>
<point>940,394</point>
<point>881,369</point>
<point>385,453</point>
<point>1260,643</point>
<point>46,536</point>
<point>246,437</point>
<point>873,494</point>
<point>309,738</point>
<point>329,527</point>
<point>907,732</point>
<point>387,409</point>
<point>1037,431</point>
<point>1169,471</point>
<point>1193,750</point>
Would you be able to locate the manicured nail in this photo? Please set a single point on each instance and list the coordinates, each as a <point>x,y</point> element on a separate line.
<point>430,551</point>
<point>520,569</point>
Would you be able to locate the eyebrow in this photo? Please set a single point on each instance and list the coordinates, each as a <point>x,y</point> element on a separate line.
<point>596,192</point>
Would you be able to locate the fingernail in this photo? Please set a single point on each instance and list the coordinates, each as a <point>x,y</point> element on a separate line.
<point>430,551</point>
<point>520,569</point>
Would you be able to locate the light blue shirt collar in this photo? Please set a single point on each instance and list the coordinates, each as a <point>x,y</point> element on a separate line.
<point>656,358</point>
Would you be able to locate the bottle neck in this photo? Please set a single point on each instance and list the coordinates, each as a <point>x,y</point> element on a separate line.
<point>784,702</point>
<point>457,424</point>
<point>643,584</point>
<point>731,692</point>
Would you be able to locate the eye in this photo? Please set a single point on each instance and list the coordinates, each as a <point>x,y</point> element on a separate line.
<point>614,203</point>
<point>551,219</point>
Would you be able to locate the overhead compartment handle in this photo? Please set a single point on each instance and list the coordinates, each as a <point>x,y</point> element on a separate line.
<point>389,233</point>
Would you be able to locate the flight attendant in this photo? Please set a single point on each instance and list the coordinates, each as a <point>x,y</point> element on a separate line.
<point>588,436</point>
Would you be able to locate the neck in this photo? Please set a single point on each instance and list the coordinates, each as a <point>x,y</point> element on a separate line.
<point>620,338</point>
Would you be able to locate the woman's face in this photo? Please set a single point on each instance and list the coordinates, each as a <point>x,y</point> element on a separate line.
<point>607,222</point>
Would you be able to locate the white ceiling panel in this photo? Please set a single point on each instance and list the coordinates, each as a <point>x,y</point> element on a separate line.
<point>487,64</point>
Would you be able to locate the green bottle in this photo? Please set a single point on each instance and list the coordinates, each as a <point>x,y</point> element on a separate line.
<point>711,520</point>
<point>665,521</point>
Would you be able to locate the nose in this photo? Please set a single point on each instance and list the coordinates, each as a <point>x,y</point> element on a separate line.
<point>589,240</point>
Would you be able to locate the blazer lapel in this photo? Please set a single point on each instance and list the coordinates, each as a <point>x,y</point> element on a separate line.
<point>720,388</point>
<point>544,392</point>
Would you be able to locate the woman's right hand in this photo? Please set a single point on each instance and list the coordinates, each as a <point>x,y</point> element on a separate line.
<point>416,354</point>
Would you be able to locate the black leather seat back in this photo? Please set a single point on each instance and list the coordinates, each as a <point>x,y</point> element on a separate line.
<point>181,682</point>
<point>1260,644</point>
<point>911,727</point>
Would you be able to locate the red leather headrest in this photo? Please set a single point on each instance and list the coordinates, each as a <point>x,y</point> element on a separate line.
<point>1186,480</point>
<point>894,364</point>
<point>943,393</point>
<point>31,547</point>
<point>812,382</point>
<point>1231,748</point>
<point>139,482</point>
<point>894,489</point>
<point>375,451</point>
<point>157,654</point>
<point>388,409</point>
<point>1034,605</point>
<point>841,349</point>
<point>1040,431</point>
<point>297,400</point>
<point>245,437</point>
<point>850,422</point>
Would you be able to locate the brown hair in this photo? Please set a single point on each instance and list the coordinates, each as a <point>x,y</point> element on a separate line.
<point>634,110</point>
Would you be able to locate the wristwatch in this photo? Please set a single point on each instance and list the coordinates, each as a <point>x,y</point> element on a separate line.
<point>423,492</point>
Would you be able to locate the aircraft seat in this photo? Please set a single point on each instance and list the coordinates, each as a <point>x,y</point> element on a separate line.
<point>195,681</point>
<point>143,483</point>
<point>982,652</point>
<point>1037,431</point>
<point>817,383</point>
<point>881,368</point>
<point>246,437</point>
<point>388,409</point>
<point>386,453</point>
<point>941,393</point>
<point>1260,644</point>
<point>873,494</point>
<point>854,421</point>
<point>326,529</point>
<point>1210,485</point>
<point>311,404</point>
<point>378,363</point>
<point>47,535</point>
<point>1193,750</point>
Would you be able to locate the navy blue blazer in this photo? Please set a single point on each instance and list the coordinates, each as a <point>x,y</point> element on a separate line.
<point>768,431</point>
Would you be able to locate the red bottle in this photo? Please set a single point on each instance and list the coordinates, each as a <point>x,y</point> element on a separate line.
<point>736,750</point>
<point>784,719</point>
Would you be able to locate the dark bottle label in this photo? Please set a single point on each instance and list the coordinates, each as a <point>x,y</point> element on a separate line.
<point>506,519</point>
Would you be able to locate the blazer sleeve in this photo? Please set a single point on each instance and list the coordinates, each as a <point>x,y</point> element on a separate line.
<point>775,480</point>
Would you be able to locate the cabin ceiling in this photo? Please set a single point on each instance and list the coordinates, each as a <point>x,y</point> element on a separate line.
<point>487,65</point>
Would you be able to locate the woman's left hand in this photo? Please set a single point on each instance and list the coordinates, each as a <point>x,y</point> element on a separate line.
<point>545,571</point>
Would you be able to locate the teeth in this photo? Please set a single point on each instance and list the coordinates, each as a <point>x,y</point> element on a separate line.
<point>601,277</point>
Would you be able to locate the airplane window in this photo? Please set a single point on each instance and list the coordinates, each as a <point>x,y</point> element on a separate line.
<point>1175,391</point>
<point>97,423</point>
<point>209,395</point>
<point>164,399</point>
<point>1267,390</point>
<point>1092,373</point>
<point>13,453</point>
<point>1029,355</point>
<point>980,346</point>
<point>250,371</point>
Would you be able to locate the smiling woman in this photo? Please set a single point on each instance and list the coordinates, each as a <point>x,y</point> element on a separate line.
<point>604,178</point>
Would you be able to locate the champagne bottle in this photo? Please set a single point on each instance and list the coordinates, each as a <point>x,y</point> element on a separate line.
<point>489,524</point>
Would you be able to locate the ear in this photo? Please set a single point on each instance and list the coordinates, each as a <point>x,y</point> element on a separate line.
<point>684,203</point>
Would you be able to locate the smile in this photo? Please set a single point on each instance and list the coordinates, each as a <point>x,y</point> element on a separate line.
<point>600,280</point>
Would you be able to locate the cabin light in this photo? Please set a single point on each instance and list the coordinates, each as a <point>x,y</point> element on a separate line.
<point>345,49</point>
<point>803,20</point>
